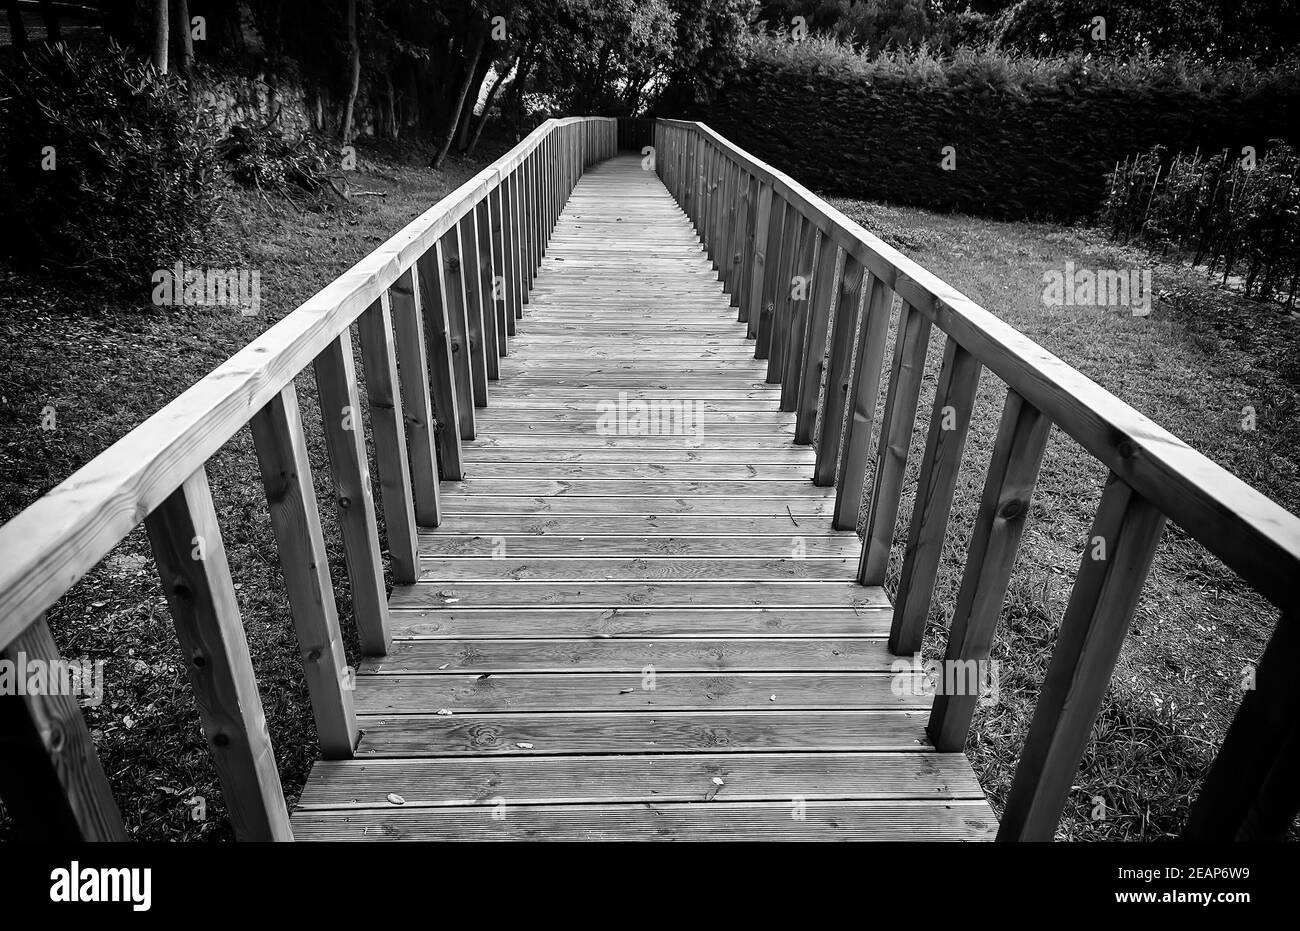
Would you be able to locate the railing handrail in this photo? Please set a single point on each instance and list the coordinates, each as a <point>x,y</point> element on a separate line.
<point>1253,535</point>
<point>51,544</point>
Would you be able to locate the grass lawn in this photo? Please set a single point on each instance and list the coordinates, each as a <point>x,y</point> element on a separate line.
<point>106,364</point>
<point>1193,365</point>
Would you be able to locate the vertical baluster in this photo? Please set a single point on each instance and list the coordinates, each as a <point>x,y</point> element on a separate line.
<point>528,223</point>
<point>451,292</point>
<point>1004,505</point>
<point>191,559</point>
<point>781,214</point>
<point>336,386</point>
<point>515,228</point>
<point>848,302</point>
<point>1117,556</point>
<point>764,215</point>
<point>487,304</point>
<point>291,497</point>
<point>51,779</point>
<point>895,437</point>
<point>868,364</point>
<point>388,429</point>
<point>954,398</point>
<point>470,272</point>
<point>409,300</point>
<point>801,298</point>
<point>1250,792</point>
<point>745,246</point>
<point>701,191</point>
<point>502,292</point>
<point>727,235</point>
<point>797,231</point>
<point>823,296</point>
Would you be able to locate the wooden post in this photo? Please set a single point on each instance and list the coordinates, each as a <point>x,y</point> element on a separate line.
<point>515,228</point>
<point>451,295</point>
<point>727,239</point>
<point>1250,792</point>
<point>781,214</point>
<point>388,429</point>
<point>803,282</point>
<point>847,307</point>
<point>895,438</point>
<point>51,780</point>
<point>868,366</point>
<point>410,300</point>
<point>191,560</point>
<point>745,248</point>
<point>795,233</point>
<point>764,216</point>
<point>954,399</point>
<point>1004,505</point>
<point>1116,558</point>
<point>336,386</point>
<point>291,497</point>
<point>502,292</point>
<point>471,276</point>
<point>824,294</point>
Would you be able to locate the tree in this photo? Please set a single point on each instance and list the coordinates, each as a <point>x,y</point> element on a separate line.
<point>479,39</point>
<point>354,70</point>
<point>160,36</point>
<point>16,27</point>
<point>184,39</point>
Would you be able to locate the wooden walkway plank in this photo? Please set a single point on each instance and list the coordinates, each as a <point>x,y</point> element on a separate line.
<point>635,588</point>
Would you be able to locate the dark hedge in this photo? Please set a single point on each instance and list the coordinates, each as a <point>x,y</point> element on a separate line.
<point>1042,149</point>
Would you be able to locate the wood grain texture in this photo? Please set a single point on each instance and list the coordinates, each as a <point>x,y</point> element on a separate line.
<point>53,543</point>
<point>1003,509</point>
<point>411,301</point>
<point>604,606</point>
<point>696,821</point>
<point>1256,537</point>
<point>388,433</point>
<point>336,387</point>
<point>427,783</point>
<point>195,575</point>
<point>1117,556</point>
<point>52,782</point>
<point>954,401</point>
<point>295,520</point>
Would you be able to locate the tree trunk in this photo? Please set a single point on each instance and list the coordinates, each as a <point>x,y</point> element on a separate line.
<point>460,100</point>
<point>394,130</point>
<point>487,106</point>
<point>51,20</point>
<point>160,36</point>
<point>476,84</point>
<point>16,27</point>
<point>185,42</point>
<point>354,69</point>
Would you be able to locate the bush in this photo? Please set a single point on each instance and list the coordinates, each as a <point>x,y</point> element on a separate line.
<point>262,158</point>
<point>1241,213</point>
<point>1032,137</point>
<point>109,170</point>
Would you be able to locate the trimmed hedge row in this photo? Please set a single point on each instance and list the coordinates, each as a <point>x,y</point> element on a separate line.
<point>1036,151</point>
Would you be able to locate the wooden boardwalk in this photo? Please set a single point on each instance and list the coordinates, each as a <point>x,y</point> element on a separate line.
<point>634,620</point>
<point>625,613</point>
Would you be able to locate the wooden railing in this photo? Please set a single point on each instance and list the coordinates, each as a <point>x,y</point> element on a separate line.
<point>440,298</point>
<point>777,246</point>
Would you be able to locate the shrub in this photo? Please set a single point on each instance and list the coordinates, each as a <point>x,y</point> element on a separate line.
<point>1032,137</point>
<point>1240,213</point>
<point>262,158</point>
<point>108,167</point>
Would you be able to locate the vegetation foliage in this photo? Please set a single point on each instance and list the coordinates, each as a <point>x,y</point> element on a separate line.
<point>1240,214</point>
<point>109,170</point>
